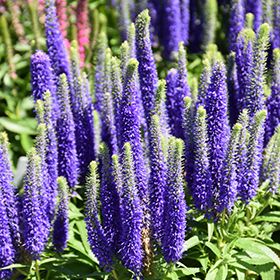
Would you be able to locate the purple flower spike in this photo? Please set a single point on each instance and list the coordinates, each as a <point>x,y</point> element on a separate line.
<point>201,189</point>
<point>147,68</point>
<point>131,240</point>
<point>96,235</point>
<point>217,122</point>
<point>67,155</point>
<point>130,126</point>
<point>236,22</point>
<point>56,49</point>
<point>109,198</point>
<point>34,231</point>
<point>7,252</point>
<point>254,157</point>
<point>255,7</point>
<point>276,25</point>
<point>228,190</point>
<point>61,222</point>
<point>182,90</point>
<point>157,179</point>
<point>172,34</point>
<point>185,20</point>
<point>42,78</point>
<point>8,192</point>
<point>255,97</point>
<point>174,223</point>
<point>244,64</point>
<point>273,101</point>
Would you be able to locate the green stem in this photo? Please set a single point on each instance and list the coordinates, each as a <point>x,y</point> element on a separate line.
<point>37,270</point>
<point>115,274</point>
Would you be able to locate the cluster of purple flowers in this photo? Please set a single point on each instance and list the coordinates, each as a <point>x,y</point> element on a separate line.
<point>141,143</point>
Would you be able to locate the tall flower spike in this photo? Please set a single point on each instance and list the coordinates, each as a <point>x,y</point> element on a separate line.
<point>8,193</point>
<point>124,57</point>
<point>82,113</point>
<point>244,64</point>
<point>96,236</point>
<point>67,154</point>
<point>46,195</point>
<point>172,34</point>
<point>124,17</point>
<point>201,188</point>
<point>171,80</point>
<point>233,88</point>
<point>32,212</point>
<point>174,224</point>
<point>117,95</point>
<point>236,22</point>
<point>271,163</point>
<point>228,190</point>
<point>242,148</point>
<point>83,29</point>
<point>217,122</point>
<point>42,78</point>
<point>209,22</point>
<point>185,20</point>
<point>55,44</point>
<point>7,254</point>
<point>255,97</point>
<point>130,126</point>
<point>109,198</point>
<point>255,7</point>
<point>99,70</point>
<point>131,243</point>
<point>132,40</point>
<point>147,69</point>
<point>182,90</point>
<point>61,222</point>
<point>188,139</point>
<point>276,25</point>
<point>160,107</point>
<point>157,179</point>
<point>254,157</point>
<point>273,101</point>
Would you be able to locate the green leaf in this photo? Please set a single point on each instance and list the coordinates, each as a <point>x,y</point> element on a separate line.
<point>191,242</point>
<point>210,230</point>
<point>16,127</point>
<point>268,274</point>
<point>187,271</point>
<point>272,217</point>
<point>222,272</point>
<point>211,274</point>
<point>240,274</point>
<point>213,248</point>
<point>251,245</point>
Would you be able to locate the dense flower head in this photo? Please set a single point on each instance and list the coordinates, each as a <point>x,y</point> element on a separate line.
<point>201,189</point>
<point>147,69</point>
<point>157,179</point>
<point>67,154</point>
<point>130,125</point>
<point>237,20</point>
<point>273,101</point>
<point>131,215</point>
<point>217,123</point>
<point>96,235</point>
<point>61,222</point>
<point>56,48</point>
<point>34,231</point>
<point>8,191</point>
<point>174,223</point>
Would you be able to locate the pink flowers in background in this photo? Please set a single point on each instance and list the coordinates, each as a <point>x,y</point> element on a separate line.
<point>83,29</point>
<point>61,10</point>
